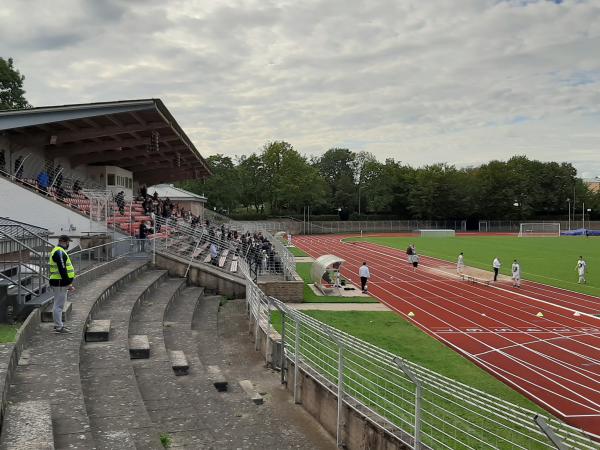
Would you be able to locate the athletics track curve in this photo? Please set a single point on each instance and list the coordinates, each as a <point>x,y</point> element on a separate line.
<point>554,360</point>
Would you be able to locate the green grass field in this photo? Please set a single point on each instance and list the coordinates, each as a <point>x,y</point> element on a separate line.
<point>546,260</point>
<point>8,332</point>
<point>296,251</point>
<point>392,333</point>
<point>303,270</point>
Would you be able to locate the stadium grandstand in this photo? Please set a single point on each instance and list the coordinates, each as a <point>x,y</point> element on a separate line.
<point>86,157</point>
<point>155,352</point>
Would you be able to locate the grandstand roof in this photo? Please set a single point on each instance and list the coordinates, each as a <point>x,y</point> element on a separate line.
<point>175,193</point>
<point>110,133</point>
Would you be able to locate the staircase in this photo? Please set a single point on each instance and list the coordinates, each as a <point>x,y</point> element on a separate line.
<point>24,253</point>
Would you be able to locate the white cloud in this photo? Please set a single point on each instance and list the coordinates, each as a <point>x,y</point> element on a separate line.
<point>420,81</point>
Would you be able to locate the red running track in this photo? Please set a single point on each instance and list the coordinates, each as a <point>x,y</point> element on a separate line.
<point>554,360</point>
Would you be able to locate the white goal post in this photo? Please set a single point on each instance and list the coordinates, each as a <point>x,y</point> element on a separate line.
<point>540,229</point>
<point>437,233</point>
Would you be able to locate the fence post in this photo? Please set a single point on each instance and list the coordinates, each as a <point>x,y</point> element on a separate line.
<point>557,441</point>
<point>296,360</point>
<point>270,300</point>
<point>418,395</point>
<point>340,386</point>
<point>154,248</point>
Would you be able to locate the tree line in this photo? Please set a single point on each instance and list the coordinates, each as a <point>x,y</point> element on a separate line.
<point>341,183</point>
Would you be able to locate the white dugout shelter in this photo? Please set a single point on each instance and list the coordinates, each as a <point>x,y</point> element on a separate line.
<point>326,264</point>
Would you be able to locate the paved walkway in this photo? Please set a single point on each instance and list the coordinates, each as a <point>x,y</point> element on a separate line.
<point>339,306</point>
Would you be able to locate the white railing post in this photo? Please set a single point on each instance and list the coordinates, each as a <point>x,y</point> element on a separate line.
<point>556,441</point>
<point>296,359</point>
<point>418,394</point>
<point>340,387</point>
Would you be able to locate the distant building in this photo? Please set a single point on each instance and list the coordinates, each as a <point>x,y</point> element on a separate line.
<point>593,184</point>
<point>184,199</point>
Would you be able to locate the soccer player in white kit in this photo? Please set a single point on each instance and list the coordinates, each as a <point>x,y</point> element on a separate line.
<point>516,273</point>
<point>581,269</point>
<point>460,264</point>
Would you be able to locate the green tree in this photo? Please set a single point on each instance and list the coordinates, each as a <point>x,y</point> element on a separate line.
<point>335,164</point>
<point>252,177</point>
<point>12,95</point>
<point>223,188</point>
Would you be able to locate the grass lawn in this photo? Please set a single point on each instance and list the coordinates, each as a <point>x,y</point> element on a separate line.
<point>303,270</point>
<point>392,333</point>
<point>546,260</point>
<point>297,252</point>
<point>7,332</point>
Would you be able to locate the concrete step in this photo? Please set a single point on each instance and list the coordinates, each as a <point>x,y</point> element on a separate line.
<point>48,315</point>
<point>179,362</point>
<point>97,331</point>
<point>248,388</point>
<point>28,426</point>
<point>139,346</point>
<point>217,378</point>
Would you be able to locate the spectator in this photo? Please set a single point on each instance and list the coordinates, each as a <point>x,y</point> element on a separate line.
<point>364,274</point>
<point>76,187</point>
<point>496,264</point>
<point>214,254</point>
<point>143,192</point>
<point>120,201</point>
<point>19,167</point>
<point>2,162</point>
<point>58,177</point>
<point>143,235</point>
<point>43,181</point>
<point>155,196</point>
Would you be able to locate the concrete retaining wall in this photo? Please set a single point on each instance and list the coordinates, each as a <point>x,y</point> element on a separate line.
<point>286,291</point>
<point>358,431</point>
<point>223,283</point>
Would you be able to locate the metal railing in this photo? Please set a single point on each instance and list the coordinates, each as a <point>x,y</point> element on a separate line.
<point>42,174</point>
<point>193,243</point>
<point>421,408</point>
<point>87,259</point>
<point>287,259</point>
<point>24,253</point>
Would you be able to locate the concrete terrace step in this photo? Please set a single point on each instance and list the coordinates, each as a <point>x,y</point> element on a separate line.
<point>139,346</point>
<point>28,426</point>
<point>218,379</point>
<point>168,397</point>
<point>52,371</point>
<point>112,398</point>
<point>97,331</point>
<point>48,314</point>
<point>179,362</point>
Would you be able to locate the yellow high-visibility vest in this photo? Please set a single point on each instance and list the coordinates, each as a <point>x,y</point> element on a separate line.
<point>54,273</point>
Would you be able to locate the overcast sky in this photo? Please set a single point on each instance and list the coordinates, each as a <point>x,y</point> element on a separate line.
<point>422,81</point>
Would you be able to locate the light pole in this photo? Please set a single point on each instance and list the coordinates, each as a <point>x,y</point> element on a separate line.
<point>569,200</point>
<point>589,211</point>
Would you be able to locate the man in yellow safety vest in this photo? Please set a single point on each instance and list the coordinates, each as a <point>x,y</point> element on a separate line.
<point>62,275</point>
